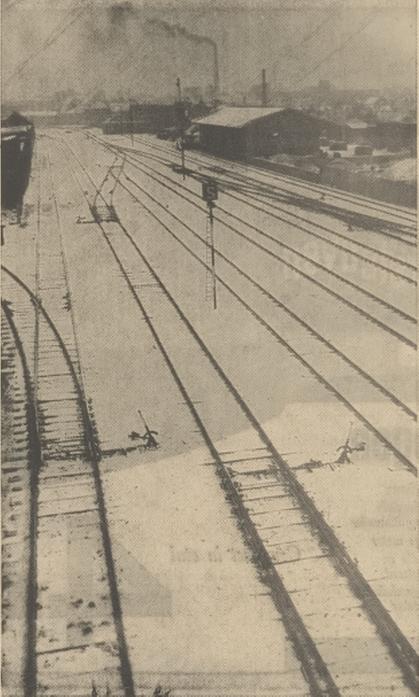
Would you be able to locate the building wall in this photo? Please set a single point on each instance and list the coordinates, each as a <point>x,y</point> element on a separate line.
<point>228,142</point>
<point>96,117</point>
<point>151,118</point>
<point>395,136</point>
<point>289,131</point>
<point>397,192</point>
<point>360,136</point>
<point>259,137</point>
<point>298,133</point>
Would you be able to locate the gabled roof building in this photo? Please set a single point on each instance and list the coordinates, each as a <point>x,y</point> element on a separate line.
<point>242,132</point>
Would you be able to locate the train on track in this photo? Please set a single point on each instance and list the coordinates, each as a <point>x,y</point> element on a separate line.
<point>17,141</point>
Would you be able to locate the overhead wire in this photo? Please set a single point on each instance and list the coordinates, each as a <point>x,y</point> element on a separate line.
<point>332,11</point>
<point>291,52</point>
<point>55,34</point>
<point>341,46</point>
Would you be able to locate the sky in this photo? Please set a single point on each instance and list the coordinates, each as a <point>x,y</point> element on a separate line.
<point>113,45</point>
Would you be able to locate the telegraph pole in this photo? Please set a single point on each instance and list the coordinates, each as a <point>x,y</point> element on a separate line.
<point>181,117</point>
<point>131,113</point>
<point>179,91</point>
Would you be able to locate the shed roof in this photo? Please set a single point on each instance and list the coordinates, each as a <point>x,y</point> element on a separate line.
<point>236,117</point>
<point>15,119</point>
<point>98,104</point>
<point>356,124</point>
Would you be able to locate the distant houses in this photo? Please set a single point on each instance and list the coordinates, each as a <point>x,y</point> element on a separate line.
<point>292,124</point>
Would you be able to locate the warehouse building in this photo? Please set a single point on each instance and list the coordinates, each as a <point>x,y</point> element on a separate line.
<point>143,118</point>
<point>396,135</point>
<point>153,118</point>
<point>360,132</point>
<point>241,132</point>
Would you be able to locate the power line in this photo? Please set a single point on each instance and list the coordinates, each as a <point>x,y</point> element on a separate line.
<point>288,53</point>
<point>340,47</point>
<point>49,41</point>
<point>333,10</point>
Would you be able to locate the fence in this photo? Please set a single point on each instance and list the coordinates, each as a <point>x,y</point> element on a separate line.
<point>397,192</point>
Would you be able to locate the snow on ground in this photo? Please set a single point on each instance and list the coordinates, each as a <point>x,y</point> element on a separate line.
<point>404,170</point>
<point>281,394</point>
<point>180,558</point>
<point>190,594</point>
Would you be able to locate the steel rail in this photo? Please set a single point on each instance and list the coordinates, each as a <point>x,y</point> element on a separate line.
<point>314,668</point>
<point>357,199</point>
<point>315,281</point>
<point>324,268</point>
<point>398,645</point>
<point>387,393</point>
<point>356,286</point>
<point>225,184</point>
<point>254,189</point>
<point>35,462</point>
<point>94,457</point>
<point>320,378</point>
<point>400,648</point>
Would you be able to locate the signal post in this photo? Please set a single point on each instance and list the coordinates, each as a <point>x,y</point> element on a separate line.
<point>210,195</point>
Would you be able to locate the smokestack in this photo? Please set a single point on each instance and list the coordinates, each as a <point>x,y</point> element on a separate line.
<point>216,72</point>
<point>175,30</point>
<point>264,89</point>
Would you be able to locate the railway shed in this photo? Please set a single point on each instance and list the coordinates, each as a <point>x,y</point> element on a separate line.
<point>241,132</point>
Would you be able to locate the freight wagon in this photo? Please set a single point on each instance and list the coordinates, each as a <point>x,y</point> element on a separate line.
<point>17,139</point>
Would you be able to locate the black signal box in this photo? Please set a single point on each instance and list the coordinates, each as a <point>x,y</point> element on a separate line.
<point>209,190</point>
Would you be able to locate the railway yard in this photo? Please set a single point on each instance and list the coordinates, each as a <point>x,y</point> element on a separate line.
<point>267,546</point>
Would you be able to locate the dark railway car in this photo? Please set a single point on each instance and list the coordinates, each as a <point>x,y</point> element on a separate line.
<point>154,118</point>
<point>17,139</point>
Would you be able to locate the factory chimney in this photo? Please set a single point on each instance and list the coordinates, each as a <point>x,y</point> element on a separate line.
<point>264,89</point>
<point>176,31</point>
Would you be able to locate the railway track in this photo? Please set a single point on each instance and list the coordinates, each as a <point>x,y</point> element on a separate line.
<point>83,624</point>
<point>405,218</point>
<point>334,362</point>
<point>393,398</point>
<point>308,227</point>
<point>73,626</point>
<point>405,320</point>
<point>319,201</point>
<point>356,222</point>
<point>233,185</point>
<point>250,197</point>
<point>17,473</point>
<point>308,571</point>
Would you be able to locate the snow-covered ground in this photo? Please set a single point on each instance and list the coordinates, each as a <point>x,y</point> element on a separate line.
<point>192,601</point>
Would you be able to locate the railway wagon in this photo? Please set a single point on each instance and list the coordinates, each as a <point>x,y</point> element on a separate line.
<point>17,139</point>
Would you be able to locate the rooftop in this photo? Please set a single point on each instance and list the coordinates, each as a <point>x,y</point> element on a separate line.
<point>14,118</point>
<point>357,124</point>
<point>237,117</point>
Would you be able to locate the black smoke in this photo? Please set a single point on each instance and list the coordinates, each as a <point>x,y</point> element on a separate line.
<point>176,30</point>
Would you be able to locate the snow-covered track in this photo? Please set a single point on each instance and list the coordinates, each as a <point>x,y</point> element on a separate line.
<point>73,627</point>
<point>333,281</point>
<point>321,560</point>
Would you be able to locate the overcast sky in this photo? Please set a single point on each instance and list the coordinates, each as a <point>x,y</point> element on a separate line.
<point>355,43</point>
